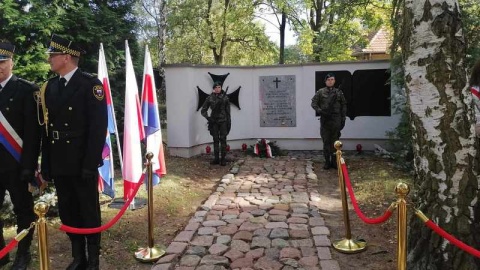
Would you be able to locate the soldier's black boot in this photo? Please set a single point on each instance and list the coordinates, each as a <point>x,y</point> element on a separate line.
<point>327,162</point>
<point>215,160</point>
<point>79,256</point>
<point>93,257</point>
<point>334,161</point>
<point>6,259</point>
<point>223,162</point>
<point>23,256</point>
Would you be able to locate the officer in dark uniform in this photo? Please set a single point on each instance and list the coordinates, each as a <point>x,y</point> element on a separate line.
<point>17,167</point>
<point>75,116</point>
<point>331,105</point>
<point>219,121</point>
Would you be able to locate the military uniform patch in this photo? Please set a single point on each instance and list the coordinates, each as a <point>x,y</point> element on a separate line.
<point>98,92</point>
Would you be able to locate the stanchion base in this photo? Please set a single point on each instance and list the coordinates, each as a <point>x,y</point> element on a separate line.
<point>137,203</point>
<point>149,254</point>
<point>350,246</point>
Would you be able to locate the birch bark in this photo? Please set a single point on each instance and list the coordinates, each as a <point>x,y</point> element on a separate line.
<point>446,186</point>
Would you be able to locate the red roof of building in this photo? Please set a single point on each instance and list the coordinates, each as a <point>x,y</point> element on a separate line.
<point>379,43</point>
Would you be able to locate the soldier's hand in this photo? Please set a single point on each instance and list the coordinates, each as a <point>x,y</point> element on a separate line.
<point>323,113</point>
<point>88,175</point>
<point>26,175</point>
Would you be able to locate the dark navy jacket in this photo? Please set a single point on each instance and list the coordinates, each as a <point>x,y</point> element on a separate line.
<point>17,104</point>
<point>77,126</point>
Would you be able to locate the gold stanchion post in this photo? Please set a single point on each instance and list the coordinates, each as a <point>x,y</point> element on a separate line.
<point>402,191</point>
<point>346,245</point>
<point>41,209</point>
<point>150,253</point>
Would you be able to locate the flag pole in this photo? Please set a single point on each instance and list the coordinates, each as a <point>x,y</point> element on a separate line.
<point>133,135</point>
<point>116,127</point>
<point>150,253</point>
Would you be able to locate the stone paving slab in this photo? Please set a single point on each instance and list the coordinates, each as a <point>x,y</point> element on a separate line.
<point>263,215</point>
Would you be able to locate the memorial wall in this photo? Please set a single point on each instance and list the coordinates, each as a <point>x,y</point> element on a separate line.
<point>274,103</point>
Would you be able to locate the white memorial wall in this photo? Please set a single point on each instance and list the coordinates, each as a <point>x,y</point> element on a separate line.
<point>187,129</point>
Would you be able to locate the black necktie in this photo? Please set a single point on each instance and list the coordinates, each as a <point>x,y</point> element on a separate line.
<point>62,82</point>
<point>61,86</point>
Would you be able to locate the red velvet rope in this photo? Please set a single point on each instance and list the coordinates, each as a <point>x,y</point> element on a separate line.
<point>8,248</point>
<point>69,229</point>
<point>365,219</point>
<point>452,239</point>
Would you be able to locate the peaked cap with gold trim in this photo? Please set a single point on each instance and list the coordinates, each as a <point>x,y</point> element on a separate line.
<point>6,51</point>
<point>59,45</point>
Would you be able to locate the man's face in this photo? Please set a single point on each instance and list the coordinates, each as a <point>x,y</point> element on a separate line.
<point>57,62</point>
<point>6,67</point>
<point>217,89</point>
<point>330,82</point>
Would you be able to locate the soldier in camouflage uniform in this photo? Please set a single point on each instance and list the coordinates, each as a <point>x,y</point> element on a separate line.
<point>219,121</point>
<point>331,105</point>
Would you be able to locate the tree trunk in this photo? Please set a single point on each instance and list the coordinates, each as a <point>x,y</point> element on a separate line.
<point>162,30</point>
<point>283,24</point>
<point>446,187</point>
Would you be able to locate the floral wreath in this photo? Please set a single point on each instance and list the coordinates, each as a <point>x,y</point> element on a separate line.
<point>263,144</point>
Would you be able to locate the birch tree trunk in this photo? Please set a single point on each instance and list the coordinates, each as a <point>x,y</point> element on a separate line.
<point>162,34</point>
<point>446,186</point>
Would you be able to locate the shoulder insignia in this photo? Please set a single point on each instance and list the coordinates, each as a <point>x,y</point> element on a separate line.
<point>88,75</point>
<point>27,82</point>
<point>98,92</point>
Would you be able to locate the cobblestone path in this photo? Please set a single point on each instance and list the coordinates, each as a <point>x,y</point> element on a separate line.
<point>263,215</point>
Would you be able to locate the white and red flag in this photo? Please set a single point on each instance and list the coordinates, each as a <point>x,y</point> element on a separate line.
<point>151,120</point>
<point>106,172</point>
<point>133,132</point>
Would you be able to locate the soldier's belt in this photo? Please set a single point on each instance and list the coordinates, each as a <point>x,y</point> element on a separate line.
<point>62,135</point>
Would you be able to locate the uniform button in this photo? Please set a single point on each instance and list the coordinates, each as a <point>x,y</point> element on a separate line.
<point>51,124</point>
<point>70,108</point>
<point>11,99</point>
<point>66,124</point>
<point>68,141</point>
<point>53,142</point>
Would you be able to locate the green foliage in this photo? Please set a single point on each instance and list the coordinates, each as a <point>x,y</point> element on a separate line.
<point>262,149</point>
<point>30,24</point>
<point>223,33</point>
<point>471,23</point>
<point>295,55</point>
<point>400,143</point>
<point>330,31</point>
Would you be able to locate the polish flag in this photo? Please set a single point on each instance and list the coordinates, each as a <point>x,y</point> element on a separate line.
<point>132,132</point>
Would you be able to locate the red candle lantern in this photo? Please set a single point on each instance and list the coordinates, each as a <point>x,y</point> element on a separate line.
<point>208,149</point>
<point>359,148</point>
<point>228,147</point>
<point>244,147</point>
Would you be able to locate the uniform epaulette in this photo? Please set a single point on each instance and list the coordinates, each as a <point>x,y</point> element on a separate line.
<point>27,82</point>
<point>88,75</point>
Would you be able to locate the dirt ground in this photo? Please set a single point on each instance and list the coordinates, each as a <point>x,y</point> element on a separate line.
<point>190,181</point>
<point>380,253</point>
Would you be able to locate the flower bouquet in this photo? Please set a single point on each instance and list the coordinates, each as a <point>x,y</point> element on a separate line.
<point>265,149</point>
